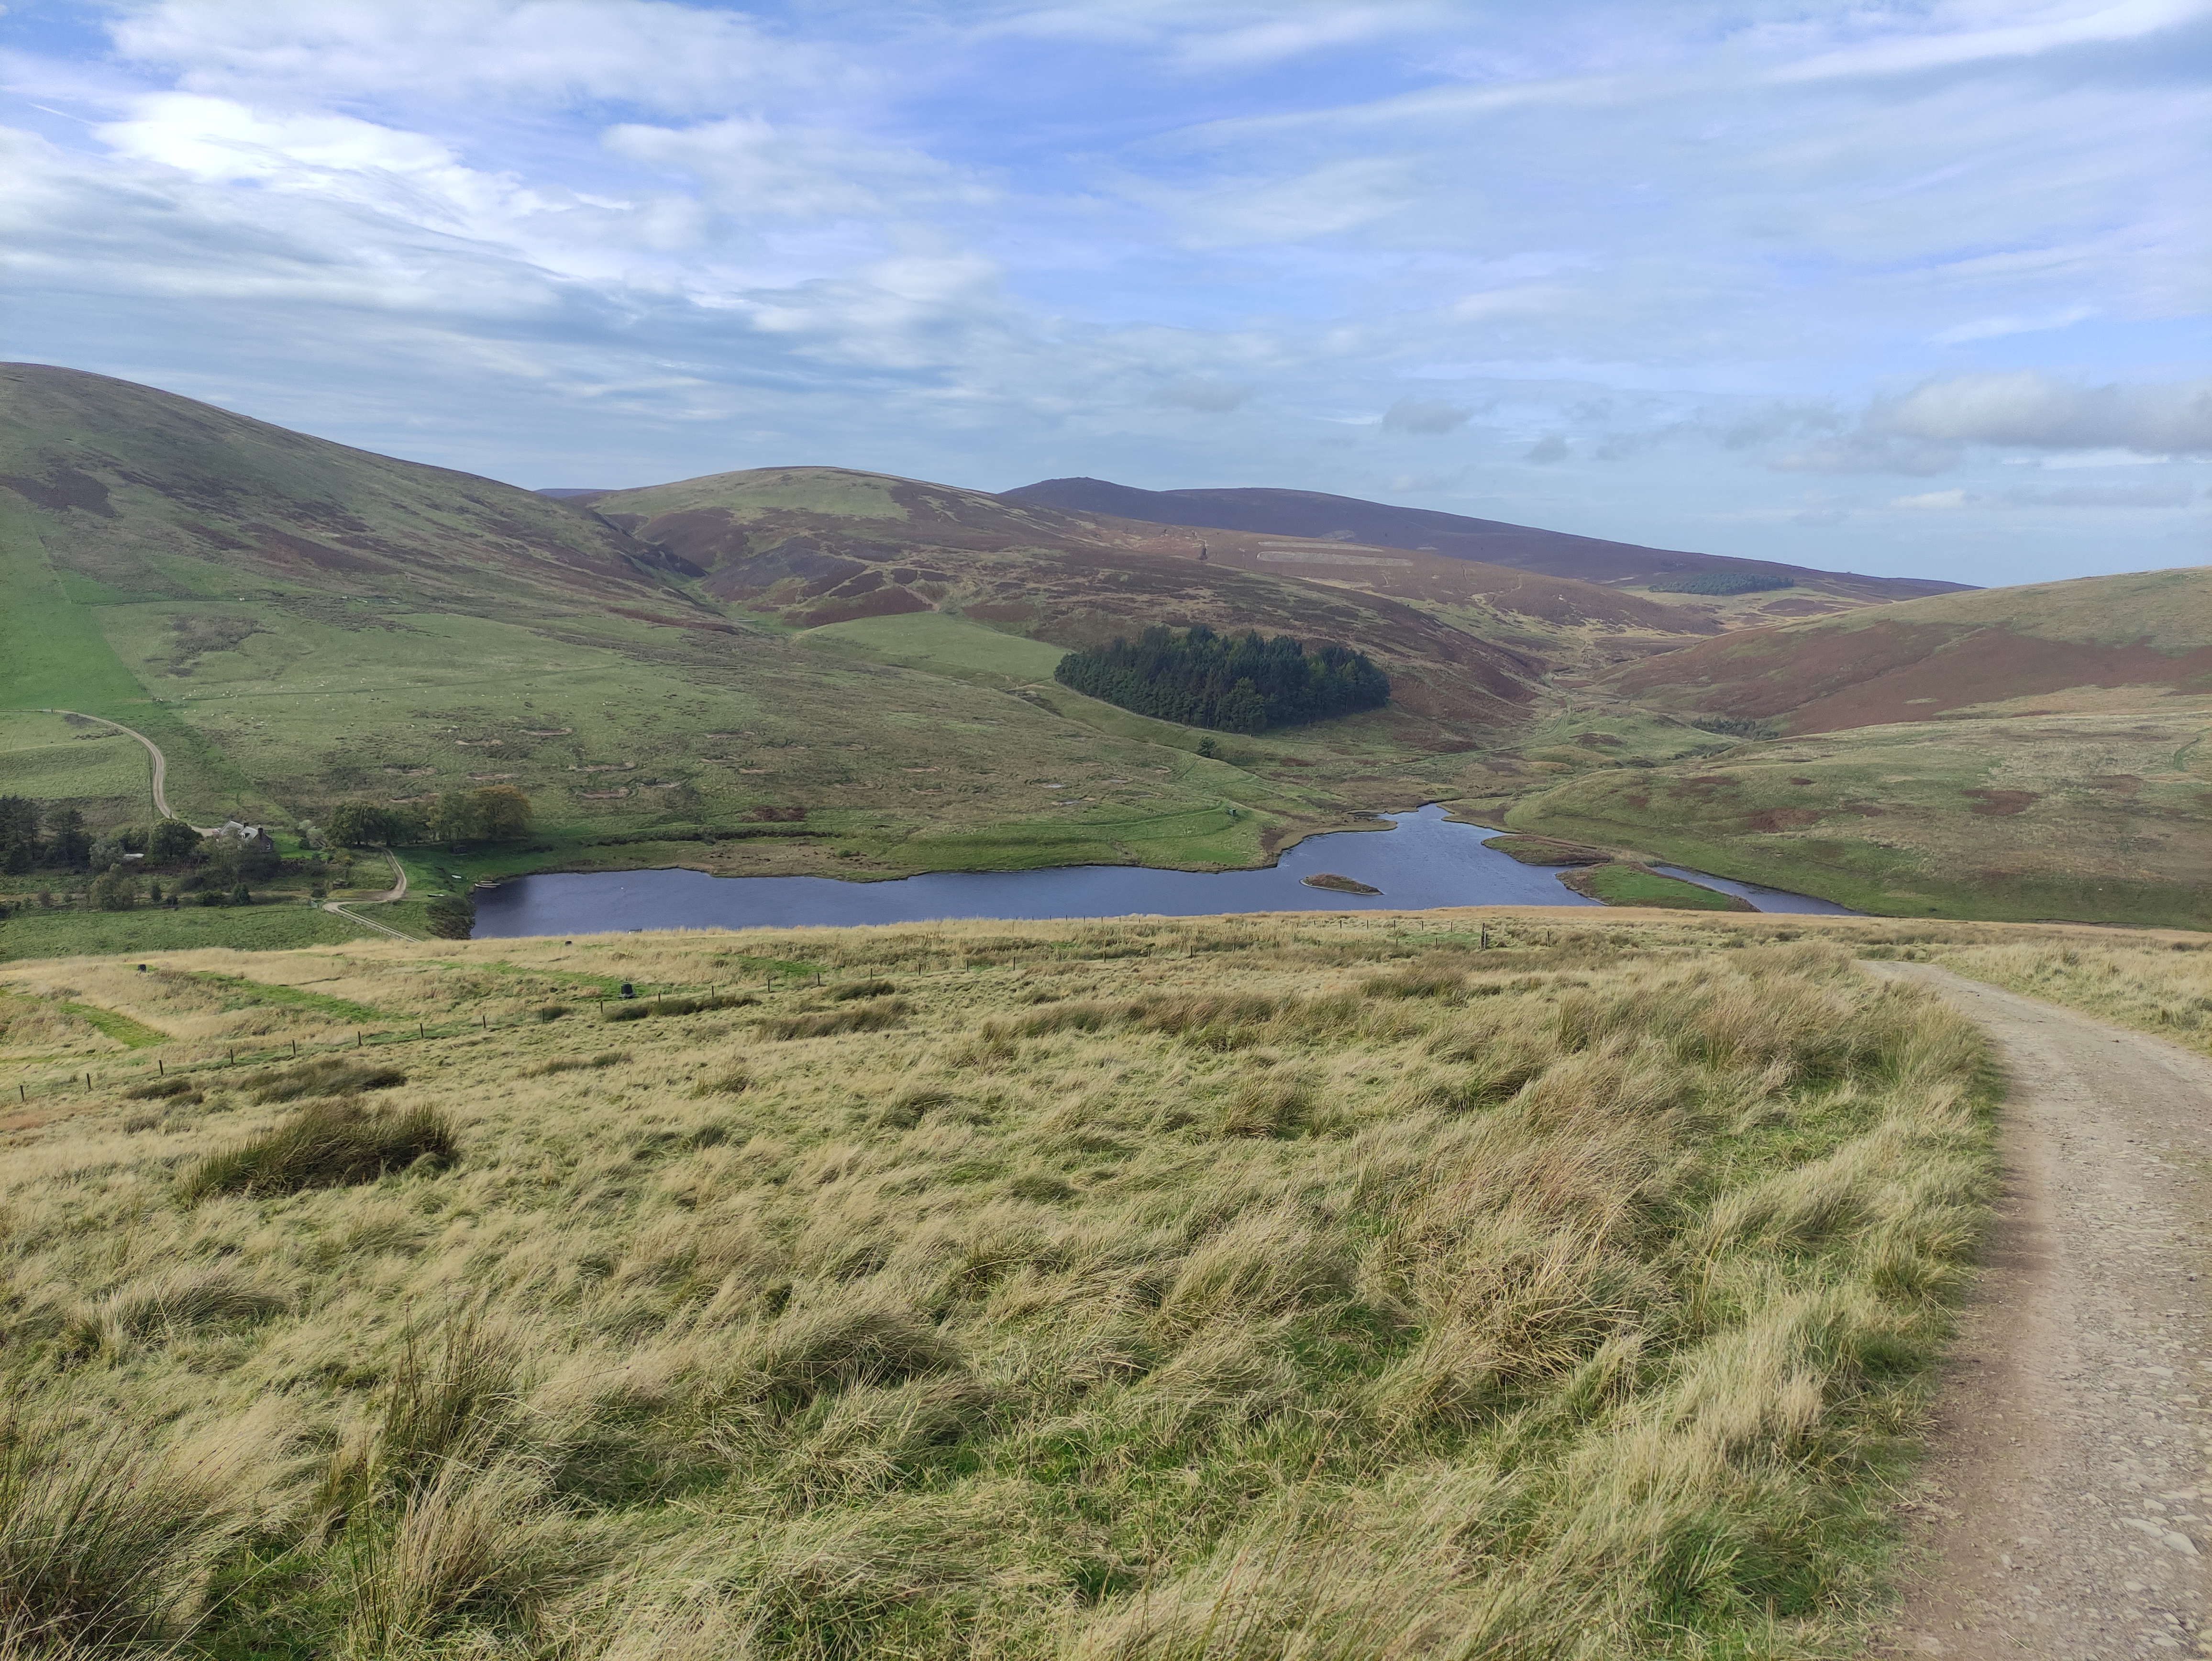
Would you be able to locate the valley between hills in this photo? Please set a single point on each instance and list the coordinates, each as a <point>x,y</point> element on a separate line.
<point>1468,1282</point>
<point>819,671</point>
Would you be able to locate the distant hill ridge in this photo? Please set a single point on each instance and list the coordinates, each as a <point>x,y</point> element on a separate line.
<point>1555,553</point>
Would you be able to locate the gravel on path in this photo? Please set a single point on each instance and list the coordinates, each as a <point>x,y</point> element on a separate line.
<point>2065,1508</point>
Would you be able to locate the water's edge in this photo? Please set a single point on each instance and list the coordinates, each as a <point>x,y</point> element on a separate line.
<point>1424,861</point>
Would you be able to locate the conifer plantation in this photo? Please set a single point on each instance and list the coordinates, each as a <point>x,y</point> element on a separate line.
<point>1239,684</point>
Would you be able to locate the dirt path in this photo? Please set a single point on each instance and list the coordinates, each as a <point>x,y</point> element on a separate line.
<point>396,891</point>
<point>161,761</point>
<point>2067,1500</point>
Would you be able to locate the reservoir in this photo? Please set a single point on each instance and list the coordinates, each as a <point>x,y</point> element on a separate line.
<point>1422,861</point>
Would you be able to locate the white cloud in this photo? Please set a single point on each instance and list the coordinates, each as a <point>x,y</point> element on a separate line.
<point>751,167</point>
<point>1552,447</point>
<point>2062,25</point>
<point>1992,328</point>
<point>1933,500</point>
<point>2151,493</point>
<point>2034,409</point>
<point>649,53</point>
<point>1862,452</point>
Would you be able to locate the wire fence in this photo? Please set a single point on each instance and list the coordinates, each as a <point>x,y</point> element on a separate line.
<point>627,996</point>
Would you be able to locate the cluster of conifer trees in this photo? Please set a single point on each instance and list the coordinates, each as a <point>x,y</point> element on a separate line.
<point>1239,684</point>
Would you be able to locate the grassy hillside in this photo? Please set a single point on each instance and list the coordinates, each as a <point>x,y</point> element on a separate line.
<point>821,671</point>
<point>1228,1288</point>
<point>2033,753</point>
<point>1927,657</point>
<point>295,623</point>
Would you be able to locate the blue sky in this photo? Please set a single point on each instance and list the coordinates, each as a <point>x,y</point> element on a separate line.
<point>1917,289</point>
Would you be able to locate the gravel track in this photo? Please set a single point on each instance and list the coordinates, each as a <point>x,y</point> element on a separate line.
<point>161,761</point>
<point>2065,1508</point>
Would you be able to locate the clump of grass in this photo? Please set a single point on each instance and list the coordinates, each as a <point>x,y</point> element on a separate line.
<point>852,990</point>
<point>326,1075</point>
<point>445,1402</point>
<point>575,1064</point>
<point>1267,1106</point>
<point>551,1012</point>
<point>162,1090</point>
<point>646,1008</point>
<point>1414,982</point>
<point>325,1145</point>
<point>874,1017</point>
<point>472,1542</point>
<point>731,1081</point>
<point>101,1542</point>
<point>910,1106</point>
<point>173,1301</point>
<point>835,1347</point>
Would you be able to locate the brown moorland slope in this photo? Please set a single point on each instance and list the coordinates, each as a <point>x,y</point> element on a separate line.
<point>1315,513</point>
<point>820,545</point>
<point>1921,659</point>
<point>2031,753</point>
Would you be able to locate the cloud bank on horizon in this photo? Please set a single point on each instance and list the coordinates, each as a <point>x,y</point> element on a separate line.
<point>1910,288</point>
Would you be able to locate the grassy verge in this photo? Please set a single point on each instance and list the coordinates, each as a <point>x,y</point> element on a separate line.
<point>1632,885</point>
<point>1214,1288</point>
<point>131,1035</point>
<point>2159,987</point>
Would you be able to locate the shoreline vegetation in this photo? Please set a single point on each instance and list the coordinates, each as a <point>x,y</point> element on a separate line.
<point>1132,1289</point>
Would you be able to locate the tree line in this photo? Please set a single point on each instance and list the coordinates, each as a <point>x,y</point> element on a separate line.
<point>498,812</point>
<point>217,870</point>
<point>1238,683</point>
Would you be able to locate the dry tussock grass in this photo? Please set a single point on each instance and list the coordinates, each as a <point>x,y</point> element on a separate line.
<point>2161,986</point>
<point>1267,1287</point>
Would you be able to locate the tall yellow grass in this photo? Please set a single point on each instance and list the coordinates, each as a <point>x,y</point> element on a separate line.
<point>2160,985</point>
<point>1274,1286</point>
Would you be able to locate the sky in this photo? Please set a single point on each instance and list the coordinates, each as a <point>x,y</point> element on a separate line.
<point>1908,287</point>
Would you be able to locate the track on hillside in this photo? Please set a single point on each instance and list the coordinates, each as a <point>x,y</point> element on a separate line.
<point>161,761</point>
<point>2066,1503</point>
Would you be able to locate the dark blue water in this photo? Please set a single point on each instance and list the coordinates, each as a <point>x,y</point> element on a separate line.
<point>1424,861</point>
<point>1762,897</point>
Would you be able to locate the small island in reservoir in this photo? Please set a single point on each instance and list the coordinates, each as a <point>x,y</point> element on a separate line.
<point>1337,885</point>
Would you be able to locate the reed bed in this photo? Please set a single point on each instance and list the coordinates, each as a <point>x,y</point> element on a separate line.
<point>1279,1287</point>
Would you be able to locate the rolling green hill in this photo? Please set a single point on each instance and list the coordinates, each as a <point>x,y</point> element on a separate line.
<point>791,671</point>
<point>819,670</point>
<point>2026,753</point>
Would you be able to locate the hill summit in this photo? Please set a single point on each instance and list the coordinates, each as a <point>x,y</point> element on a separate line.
<point>1314,514</point>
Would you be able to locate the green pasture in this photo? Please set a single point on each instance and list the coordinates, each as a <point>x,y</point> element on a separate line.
<point>35,933</point>
<point>1624,884</point>
<point>944,645</point>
